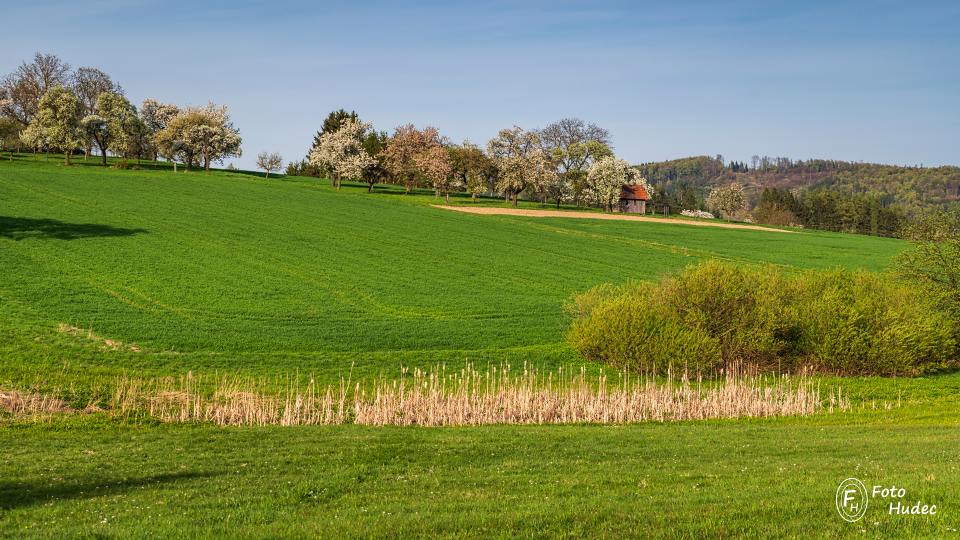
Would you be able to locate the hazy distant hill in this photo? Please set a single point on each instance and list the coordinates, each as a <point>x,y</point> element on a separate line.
<point>907,187</point>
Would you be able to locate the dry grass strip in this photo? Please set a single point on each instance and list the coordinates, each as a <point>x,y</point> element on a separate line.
<point>31,404</point>
<point>573,214</point>
<point>471,397</point>
<point>438,397</point>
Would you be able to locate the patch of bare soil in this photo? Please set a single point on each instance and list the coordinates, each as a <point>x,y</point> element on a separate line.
<point>597,215</point>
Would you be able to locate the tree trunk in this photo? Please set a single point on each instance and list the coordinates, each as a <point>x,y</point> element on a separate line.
<point>370,188</point>
<point>446,197</point>
<point>66,157</point>
<point>103,153</point>
<point>174,166</point>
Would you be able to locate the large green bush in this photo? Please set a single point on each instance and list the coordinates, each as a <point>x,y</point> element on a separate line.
<point>714,314</point>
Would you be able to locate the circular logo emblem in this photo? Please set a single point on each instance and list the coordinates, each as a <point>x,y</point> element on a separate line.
<point>852,499</point>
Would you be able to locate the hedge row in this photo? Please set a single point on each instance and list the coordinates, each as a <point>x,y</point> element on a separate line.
<point>714,314</point>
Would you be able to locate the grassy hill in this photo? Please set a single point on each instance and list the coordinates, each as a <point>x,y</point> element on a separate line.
<point>226,270</point>
<point>285,278</point>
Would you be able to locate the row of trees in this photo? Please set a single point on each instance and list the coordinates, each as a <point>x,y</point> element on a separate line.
<point>45,105</point>
<point>830,210</point>
<point>569,161</point>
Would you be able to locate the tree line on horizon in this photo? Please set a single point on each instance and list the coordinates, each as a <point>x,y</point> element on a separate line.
<point>832,195</point>
<point>46,105</point>
<point>567,162</point>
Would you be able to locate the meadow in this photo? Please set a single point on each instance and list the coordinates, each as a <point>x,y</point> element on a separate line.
<point>107,273</point>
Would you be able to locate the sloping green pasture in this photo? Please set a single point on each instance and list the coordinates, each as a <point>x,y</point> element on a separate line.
<point>229,271</point>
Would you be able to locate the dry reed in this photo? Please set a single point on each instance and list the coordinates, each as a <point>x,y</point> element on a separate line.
<point>31,404</point>
<point>468,396</point>
<point>233,401</point>
<point>471,397</point>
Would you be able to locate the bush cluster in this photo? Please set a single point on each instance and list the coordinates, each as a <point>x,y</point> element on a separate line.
<point>715,314</point>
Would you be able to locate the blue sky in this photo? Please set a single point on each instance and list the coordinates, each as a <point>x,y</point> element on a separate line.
<point>873,81</point>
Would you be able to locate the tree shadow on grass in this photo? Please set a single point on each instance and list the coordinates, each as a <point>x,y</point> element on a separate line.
<point>22,494</point>
<point>20,228</point>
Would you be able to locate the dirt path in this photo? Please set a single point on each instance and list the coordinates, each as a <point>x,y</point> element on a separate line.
<point>598,215</point>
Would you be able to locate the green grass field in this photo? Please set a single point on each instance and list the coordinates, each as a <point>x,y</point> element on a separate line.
<point>231,273</point>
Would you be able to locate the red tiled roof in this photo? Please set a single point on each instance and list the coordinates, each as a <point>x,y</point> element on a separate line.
<point>634,192</point>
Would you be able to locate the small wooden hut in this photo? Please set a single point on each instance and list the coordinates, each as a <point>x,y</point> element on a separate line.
<point>633,199</point>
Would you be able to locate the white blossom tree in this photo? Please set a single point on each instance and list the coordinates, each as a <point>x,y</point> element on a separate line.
<point>342,152</point>
<point>201,134</point>
<point>606,178</point>
<point>522,165</point>
<point>57,123</point>
<point>88,83</point>
<point>155,117</point>
<point>729,201</point>
<point>269,162</point>
<point>114,126</point>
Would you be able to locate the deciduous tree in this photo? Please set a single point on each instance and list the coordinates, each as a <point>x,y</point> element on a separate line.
<point>88,84</point>
<point>203,133</point>
<point>934,261</point>
<point>57,123</point>
<point>573,145</point>
<point>401,158</point>
<point>728,201</point>
<point>114,126</point>
<point>269,162</point>
<point>522,164</point>
<point>606,178</point>
<point>155,117</point>
<point>342,153</point>
<point>9,135</point>
<point>473,169</point>
<point>24,88</point>
<point>434,163</point>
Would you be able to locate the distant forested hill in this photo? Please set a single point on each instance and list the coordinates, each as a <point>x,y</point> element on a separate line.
<point>835,195</point>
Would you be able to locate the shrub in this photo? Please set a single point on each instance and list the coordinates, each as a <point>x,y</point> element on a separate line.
<point>861,323</point>
<point>623,332</point>
<point>715,314</point>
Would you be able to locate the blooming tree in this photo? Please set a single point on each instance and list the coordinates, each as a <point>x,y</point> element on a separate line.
<point>203,134</point>
<point>408,151</point>
<point>573,145</point>
<point>88,84</point>
<point>342,151</point>
<point>9,134</point>
<point>269,162</point>
<point>57,123</point>
<point>474,171</point>
<point>434,164</point>
<point>114,125</point>
<point>155,117</point>
<point>729,201</point>
<point>522,165</point>
<point>606,178</point>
